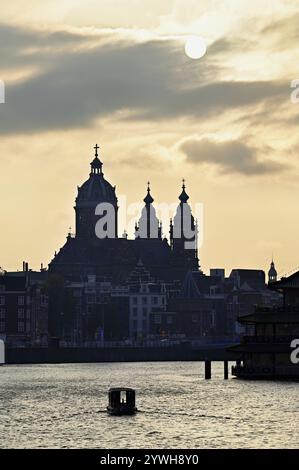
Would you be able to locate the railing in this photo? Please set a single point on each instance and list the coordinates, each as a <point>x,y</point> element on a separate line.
<point>267,339</point>
<point>277,309</point>
<point>277,370</point>
<point>154,343</point>
<point>122,344</point>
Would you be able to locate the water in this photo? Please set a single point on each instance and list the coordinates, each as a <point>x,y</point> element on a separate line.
<point>61,406</point>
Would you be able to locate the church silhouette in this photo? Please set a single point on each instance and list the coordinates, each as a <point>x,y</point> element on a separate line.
<point>115,257</point>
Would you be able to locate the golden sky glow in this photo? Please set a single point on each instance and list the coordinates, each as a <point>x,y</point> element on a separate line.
<point>115,72</point>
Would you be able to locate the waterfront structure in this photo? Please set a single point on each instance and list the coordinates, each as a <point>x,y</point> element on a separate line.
<point>265,352</point>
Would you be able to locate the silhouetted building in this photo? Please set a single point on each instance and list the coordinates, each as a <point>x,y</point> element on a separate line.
<point>95,250</point>
<point>87,253</point>
<point>23,308</point>
<point>266,350</point>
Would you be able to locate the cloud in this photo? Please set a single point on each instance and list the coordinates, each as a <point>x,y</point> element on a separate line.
<point>230,156</point>
<point>284,31</point>
<point>151,80</point>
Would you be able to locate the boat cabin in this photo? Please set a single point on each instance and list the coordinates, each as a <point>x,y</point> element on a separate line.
<point>121,401</point>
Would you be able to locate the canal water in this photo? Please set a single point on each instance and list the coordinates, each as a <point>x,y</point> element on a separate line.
<point>62,406</point>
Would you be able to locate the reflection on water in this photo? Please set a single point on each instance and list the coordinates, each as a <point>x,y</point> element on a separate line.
<point>61,406</point>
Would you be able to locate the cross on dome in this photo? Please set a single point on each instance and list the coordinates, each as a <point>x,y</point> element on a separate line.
<point>183,197</point>
<point>96,164</point>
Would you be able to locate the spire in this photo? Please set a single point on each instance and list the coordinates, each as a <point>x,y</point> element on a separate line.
<point>148,198</point>
<point>148,225</point>
<point>272,273</point>
<point>96,164</point>
<point>183,197</point>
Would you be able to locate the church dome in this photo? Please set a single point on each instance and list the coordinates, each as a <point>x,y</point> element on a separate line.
<point>96,189</point>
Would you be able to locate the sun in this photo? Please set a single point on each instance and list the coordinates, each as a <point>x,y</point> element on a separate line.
<point>195,47</point>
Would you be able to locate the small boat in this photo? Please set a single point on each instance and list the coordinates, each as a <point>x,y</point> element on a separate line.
<point>121,401</point>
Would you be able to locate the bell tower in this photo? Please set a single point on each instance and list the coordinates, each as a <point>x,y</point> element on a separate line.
<point>149,225</point>
<point>183,232</point>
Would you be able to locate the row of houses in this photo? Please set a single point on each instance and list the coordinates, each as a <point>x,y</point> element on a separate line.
<point>41,309</point>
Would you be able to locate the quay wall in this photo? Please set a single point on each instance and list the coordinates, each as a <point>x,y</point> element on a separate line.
<point>119,354</point>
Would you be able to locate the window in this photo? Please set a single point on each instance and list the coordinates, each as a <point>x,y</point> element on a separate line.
<point>2,326</point>
<point>135,324</point>
<point>144,300</point>
<point>154,300</point>
<point>144,325</point>
<point>134,300</point>
<point>20,327</point>
<point>135,312</point>
<point>2,300</point>
<point>2,313</point>
<point>21,300</point>
<point>20,313</point>
<point>144,312</point>
<point>157,319</point>
<point>90,299</point>
<point>169,320</point>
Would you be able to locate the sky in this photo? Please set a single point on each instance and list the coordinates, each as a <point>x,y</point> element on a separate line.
<point>114,72</point>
